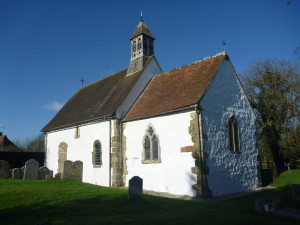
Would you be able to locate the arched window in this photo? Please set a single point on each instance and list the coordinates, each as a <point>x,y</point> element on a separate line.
<point>151,152</point>
<point>97,154</point>
<point>233,136</point>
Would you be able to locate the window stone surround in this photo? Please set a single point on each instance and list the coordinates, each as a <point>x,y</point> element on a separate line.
<point>151,161</point>
<point>94,155</point>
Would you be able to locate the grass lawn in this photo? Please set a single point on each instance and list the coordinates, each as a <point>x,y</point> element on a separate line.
<point>72,202</point>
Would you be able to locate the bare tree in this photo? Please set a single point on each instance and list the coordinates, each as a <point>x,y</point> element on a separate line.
<point>273,90</point>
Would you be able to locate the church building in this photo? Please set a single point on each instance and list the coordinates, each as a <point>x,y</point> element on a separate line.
<point>190,131</point>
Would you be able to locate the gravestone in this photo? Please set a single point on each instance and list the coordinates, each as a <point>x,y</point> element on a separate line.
<point>289,213</point>
<point>50,175</point>
<point>296,191</point>
<point>57,175</point>
<point>10,173</point>
<point>4,169</point>
<point>258,205</point>
<point>73,170</point>
<point>22,172</point>
<point>16,173</point>
<point>135,188</point>
<point>31,170</point>
<point>42,172</point>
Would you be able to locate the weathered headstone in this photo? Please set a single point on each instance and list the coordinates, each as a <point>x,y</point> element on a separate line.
<point>22,172</point>
<point>73,170</point>
<point>31,170</point>
<point>50,175</point>
<point>258,205</point>
<point>135,188</point>
<point>296,191</point>
<point>266,205</point>
<point>57,175</point>
<point>42,172</point>
<point>4,169</point>
<point>289,213</point>
<point>16,173</point>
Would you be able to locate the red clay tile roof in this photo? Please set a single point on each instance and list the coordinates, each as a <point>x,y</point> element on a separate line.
<point>2,138</point>
<point>176,89</point>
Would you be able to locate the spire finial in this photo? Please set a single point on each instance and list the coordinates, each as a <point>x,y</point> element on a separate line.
<point>142,16</point>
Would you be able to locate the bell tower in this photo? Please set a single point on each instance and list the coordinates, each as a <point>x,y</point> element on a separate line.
<point>142,47</point>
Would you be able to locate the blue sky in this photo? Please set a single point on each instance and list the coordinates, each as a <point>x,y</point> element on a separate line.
<point>47,46</point>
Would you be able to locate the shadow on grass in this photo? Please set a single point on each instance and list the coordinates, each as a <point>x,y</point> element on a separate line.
<point>149,210</point>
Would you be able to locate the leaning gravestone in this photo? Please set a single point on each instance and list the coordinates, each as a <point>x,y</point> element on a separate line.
<point>42,172</point>
<point>16,173</point>
<point>31,170</point>
<point>73,170</point>
<point>296,191</point>
<point>22,172</point>
<point>4,169</point>
<point>135,188</point>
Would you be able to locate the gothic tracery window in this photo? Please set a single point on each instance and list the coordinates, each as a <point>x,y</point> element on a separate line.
<point>233,135</point>
<point>151,152</point>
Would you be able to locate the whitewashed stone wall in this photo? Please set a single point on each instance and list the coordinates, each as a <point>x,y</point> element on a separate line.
<point>228,172</point>
<point>81,149</point>
<point>173,174</point>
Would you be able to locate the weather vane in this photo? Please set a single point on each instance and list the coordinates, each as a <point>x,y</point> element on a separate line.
<point>82,81</point>
<point>142,16</point>
<point>224,44</point>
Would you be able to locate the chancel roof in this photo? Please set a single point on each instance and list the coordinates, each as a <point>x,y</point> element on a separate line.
<point>176,89</point>
<point>95,101</point>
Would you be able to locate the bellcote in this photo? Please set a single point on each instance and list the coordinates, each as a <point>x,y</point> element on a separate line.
<point>142,47</point>
<point>142,41</point>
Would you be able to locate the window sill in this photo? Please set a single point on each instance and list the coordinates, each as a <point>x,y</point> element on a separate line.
<point>97,166</point>
<point>151,161</point>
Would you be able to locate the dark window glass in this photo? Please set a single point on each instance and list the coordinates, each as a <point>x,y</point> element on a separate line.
<point>147,148</point>
<point>98,154</point>
<point>233,135</point>
<point>155,147</point>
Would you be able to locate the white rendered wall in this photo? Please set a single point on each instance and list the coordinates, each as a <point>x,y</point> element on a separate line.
<point>81,149</point>
<point>151,69</point>
<point>228,172</point>
<point>173,174</point>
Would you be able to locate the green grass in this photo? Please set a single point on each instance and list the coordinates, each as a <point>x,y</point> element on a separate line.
<point>72,202</point>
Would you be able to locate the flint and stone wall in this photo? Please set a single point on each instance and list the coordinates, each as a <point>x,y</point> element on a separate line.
<point>228,172</point>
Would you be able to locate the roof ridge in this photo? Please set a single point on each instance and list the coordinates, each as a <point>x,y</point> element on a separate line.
<point>194,63</point>
<point>103,78</point>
